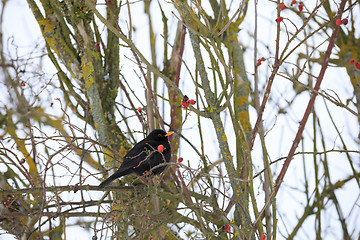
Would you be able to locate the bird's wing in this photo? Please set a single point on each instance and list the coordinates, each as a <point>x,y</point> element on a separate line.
<point>153,157</point>
<point>135,155</point>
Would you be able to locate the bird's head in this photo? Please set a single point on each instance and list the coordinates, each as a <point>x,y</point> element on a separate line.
<point>159,134</point>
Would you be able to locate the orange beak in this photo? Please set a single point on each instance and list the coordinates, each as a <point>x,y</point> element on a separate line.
<point>168,134</point>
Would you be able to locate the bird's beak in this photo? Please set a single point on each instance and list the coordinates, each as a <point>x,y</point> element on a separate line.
<point>168,134</point>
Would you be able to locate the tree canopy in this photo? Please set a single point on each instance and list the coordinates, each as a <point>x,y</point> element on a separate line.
<point>263,97</point>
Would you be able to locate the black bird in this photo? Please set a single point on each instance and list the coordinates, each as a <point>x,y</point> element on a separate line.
<point>144,157</point>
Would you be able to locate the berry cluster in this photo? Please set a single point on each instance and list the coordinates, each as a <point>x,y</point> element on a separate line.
<point>226,228</point>
<point>282,7</point>
<point>357,64</point>
<point>300,5</point>
<point>342,21</point>
<point>187,102</point>
<point>259,61</point>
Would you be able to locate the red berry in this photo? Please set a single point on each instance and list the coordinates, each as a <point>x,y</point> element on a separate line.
<point>23,84</point>
<point>282,6</point>
<point>160,148</point>
<point>262,59</point>
<point>262,236</point>
<point>109,2</point>
<point>279,19</point>
<point>339,22</point>
<point>301,7</point>
<point>192,101</point>
<point>227,228</point>
<point>139,109</point>
<point>357,65</point>
<point>184,104</point>
<point>345,21</point>
<point>258,63</point>
<point>180,159</point>
<point>352,61</point>
<point>97,46</point>
<point>293,2</point>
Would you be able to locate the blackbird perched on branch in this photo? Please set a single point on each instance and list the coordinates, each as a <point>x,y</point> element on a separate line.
<point>143,158</point>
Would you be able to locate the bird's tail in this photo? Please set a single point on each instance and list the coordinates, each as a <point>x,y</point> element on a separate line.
<point>107,181</point>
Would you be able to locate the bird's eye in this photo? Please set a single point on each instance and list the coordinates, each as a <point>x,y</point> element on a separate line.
<point>159,135</point>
